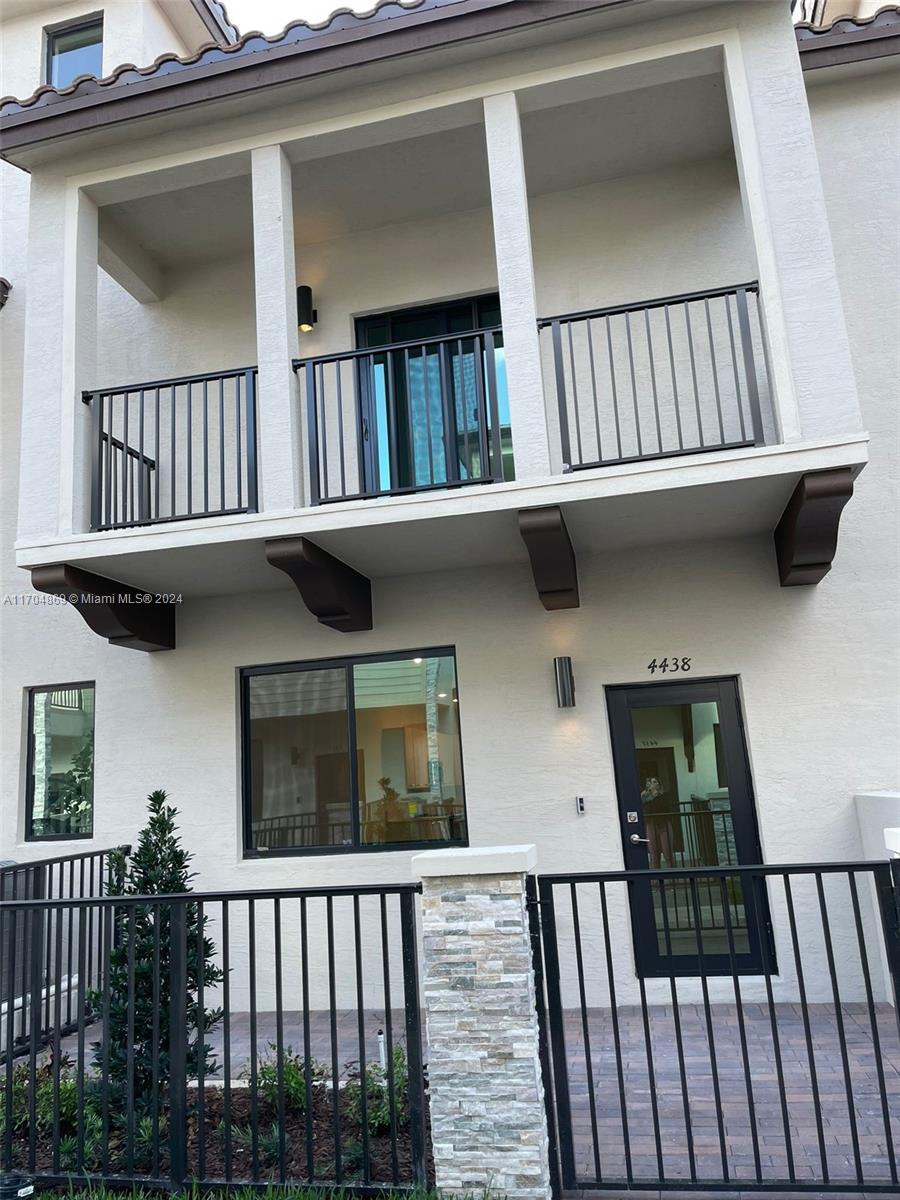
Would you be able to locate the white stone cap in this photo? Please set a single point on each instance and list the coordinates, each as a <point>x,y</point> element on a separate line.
<point>892,842</point>
<point>476,860</point>
<point>886,794</point>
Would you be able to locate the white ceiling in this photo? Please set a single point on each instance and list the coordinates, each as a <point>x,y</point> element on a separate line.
<point>566,146</point>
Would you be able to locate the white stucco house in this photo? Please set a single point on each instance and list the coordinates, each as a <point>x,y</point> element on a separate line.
<point>707,213</point>
<point>469,423</point>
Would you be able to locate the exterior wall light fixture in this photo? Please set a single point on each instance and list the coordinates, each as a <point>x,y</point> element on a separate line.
<point>565,682</point>
<point>307,316</point>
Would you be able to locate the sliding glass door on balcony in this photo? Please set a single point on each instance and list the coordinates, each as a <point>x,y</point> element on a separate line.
<point>421,404</point>
<point>425,413</point>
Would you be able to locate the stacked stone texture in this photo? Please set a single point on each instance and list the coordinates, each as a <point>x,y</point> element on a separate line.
<point>487,1103</point>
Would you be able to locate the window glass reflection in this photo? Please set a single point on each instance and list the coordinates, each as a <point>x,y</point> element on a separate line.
<point>300,777</point>
<point>362,753</point>
<point>407,726</point>
<point>61,786</point>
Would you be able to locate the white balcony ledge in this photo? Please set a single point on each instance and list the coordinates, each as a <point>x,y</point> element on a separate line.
<point>721,494</point>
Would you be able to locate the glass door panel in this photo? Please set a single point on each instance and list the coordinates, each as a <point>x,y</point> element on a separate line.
<point>426,411</point>
<point>684,793</point>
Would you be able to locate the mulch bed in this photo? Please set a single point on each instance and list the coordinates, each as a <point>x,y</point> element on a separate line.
<point>296,1161</point>
<point>242,1167</point>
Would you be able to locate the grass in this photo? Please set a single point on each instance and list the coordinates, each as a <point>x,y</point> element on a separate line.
<point>286,1192</point>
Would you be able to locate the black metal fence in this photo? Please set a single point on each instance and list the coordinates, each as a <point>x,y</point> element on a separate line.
<point>716,1075</point>
<point>40,974</point>
<point>405,417</point>
<point>172,449</point>
<point>676,375</point>
<point>243,1037</point>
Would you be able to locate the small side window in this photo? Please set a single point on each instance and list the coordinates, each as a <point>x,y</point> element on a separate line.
<point>59,801</point>
<point>74,49</point>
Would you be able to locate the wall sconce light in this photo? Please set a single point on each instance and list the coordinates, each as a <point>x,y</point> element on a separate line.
<point>565,682</point>
<point>307,316</point>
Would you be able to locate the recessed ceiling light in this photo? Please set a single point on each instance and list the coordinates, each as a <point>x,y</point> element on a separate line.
<point>417,661</point>
<point>442,695</point>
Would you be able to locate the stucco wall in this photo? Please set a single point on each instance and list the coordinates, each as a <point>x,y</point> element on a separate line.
<point>818,667</point>
<point>170,720</point>
<point>134,31</point>
<point>621,240</point>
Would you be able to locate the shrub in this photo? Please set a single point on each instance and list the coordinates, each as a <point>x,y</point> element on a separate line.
<point>158,866</point>
<point>293,1078</point>
<point>378,1094</point>
<point>47,1093</point>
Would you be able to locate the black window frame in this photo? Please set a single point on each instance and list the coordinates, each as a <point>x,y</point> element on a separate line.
<point>347,663</point>
<point>52,32</point>
<point>38,690</point>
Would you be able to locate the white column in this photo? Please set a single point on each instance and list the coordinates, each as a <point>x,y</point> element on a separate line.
<point>79,369</point>
<point>515,276</point>
<point>488,1120</point>
<point>278,414</point>
<point>781,189</point>
<point>59,360</point>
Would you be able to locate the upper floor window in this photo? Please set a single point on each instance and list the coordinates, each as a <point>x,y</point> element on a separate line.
<point>59,800</point>
<point>74,49</point>
<point>353,754</point>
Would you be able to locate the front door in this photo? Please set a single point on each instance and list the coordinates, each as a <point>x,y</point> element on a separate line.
<point>685,804</point>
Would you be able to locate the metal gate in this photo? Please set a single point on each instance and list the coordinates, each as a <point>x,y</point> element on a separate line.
<point>712,1079</point>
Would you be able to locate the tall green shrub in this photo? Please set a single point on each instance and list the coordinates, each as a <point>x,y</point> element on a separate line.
<point>158,865</point>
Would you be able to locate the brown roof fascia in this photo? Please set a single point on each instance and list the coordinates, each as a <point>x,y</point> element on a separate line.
<point>95,104</point>
<point>848,40</point>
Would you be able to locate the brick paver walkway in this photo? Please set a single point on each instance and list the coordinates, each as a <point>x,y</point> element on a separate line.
<point>789,1134</point>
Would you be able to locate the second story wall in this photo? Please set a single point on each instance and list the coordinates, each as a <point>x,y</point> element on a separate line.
<point>614,241</point>
<point>134,31</point>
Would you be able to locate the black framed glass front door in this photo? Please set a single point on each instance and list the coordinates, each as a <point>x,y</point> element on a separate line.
<point>686,803</point>
<point>428,409</point>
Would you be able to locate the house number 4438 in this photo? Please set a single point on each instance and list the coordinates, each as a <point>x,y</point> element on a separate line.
<point>665,665</point>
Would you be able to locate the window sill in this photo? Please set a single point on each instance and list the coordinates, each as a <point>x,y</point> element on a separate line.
<point>380,847</point>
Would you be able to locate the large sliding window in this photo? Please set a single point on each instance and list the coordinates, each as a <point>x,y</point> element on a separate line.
<point>59,801</point>
<point>352,754</point>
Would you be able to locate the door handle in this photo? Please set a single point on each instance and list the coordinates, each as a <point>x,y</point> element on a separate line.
<point>637,840</point>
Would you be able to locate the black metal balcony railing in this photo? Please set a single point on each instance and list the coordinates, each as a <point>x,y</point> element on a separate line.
<point>676,375</point>
<point>173,449</point>
<point>405,417</point>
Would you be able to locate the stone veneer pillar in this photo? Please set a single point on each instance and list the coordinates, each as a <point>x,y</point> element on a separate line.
<point>488,1122</point>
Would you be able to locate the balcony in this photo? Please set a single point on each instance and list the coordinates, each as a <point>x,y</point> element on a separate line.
<point>173,449</point>
<point>611,365</point>
<point>680,375</point>
<point>407,417</point>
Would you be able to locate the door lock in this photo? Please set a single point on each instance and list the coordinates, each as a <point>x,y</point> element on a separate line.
<point>637,840</point>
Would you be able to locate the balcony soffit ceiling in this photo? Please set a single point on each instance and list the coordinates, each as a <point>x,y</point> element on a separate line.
<point>416,178</point>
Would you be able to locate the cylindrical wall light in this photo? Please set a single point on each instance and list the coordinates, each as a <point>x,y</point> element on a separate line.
<point>565,682</point>
<point>306,314</point>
